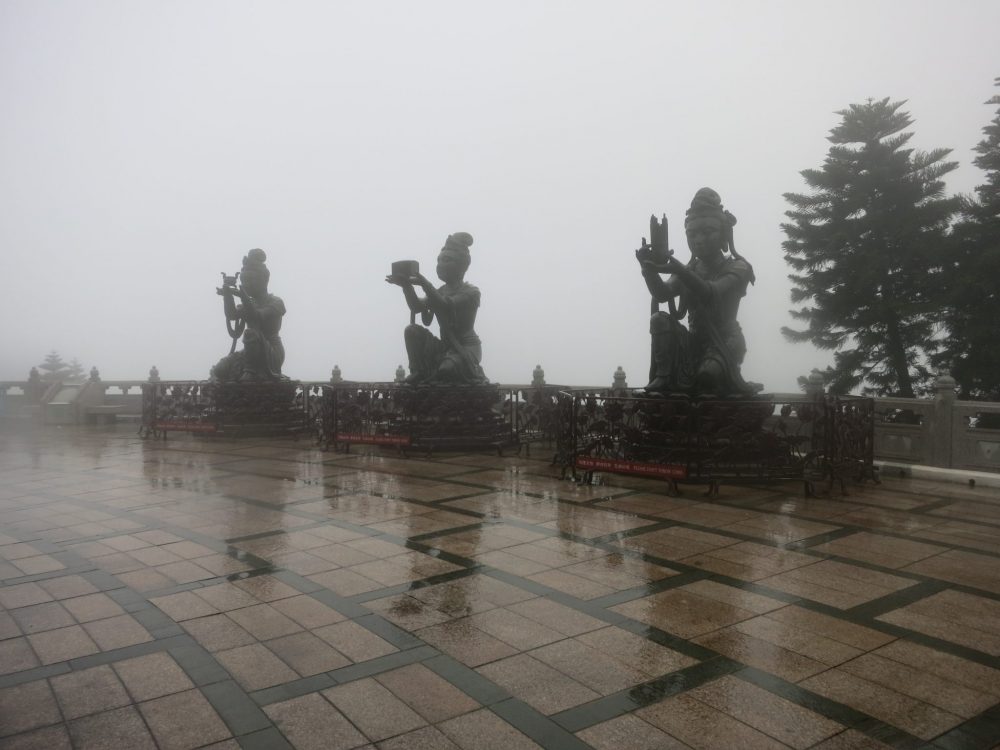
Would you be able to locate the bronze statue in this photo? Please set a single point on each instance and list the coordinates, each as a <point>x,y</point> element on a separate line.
<point>704,359</point>
<point>455,357</point>
<point>257,318</point>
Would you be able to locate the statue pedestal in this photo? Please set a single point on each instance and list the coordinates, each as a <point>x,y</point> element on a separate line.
<point>762,438</point>
<point>427,418</point>
<point>237,409</point>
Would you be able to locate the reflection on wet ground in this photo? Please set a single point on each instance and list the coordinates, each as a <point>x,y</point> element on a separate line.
<point>264,594</point>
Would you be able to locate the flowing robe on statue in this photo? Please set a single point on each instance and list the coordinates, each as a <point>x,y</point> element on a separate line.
<point>714,334</point>
<point>459,344</point>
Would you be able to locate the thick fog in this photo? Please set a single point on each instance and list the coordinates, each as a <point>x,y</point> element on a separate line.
<point>146,146</point>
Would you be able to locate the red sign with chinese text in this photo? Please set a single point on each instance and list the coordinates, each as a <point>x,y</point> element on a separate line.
<point>670,471</point>
<point>358,437</point>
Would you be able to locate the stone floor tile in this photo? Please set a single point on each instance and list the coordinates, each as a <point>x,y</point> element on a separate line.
<point>185,572</point>
<point>879,549</point>
<point>346,582</point>
<point>562,580</point>
<point>187,550</point>
<point>484,730</point>
<point>537,684</point>
<point>425,692</point>
<point>705,728</point>
<point>218,632</point>
<point>266,588</point>
<point>225,597</point>
<point>111,730</point>
<point>851,634</point>
<point>763,655</point>
<point>183,606</point>
<point>61,645</point>
<point>27,706</point>
<point>777,717</point>
<point>924,686</point>
<point>911,715</point>
<point>49,738</point>
<point>16,656</point>
<point>31,566</point>
<point>630,732</point>
<point>373,709</point>
<point>510,627</point>
<point>851,740</point>
<point>683,613</point>
<point>117,632</point>
<point>307,654</point>
<point>8,626</point>
<point>589,666</point>
<point>146,579</point>
<point>949,668</point>
<point>89,691</point>
<point>154,556</point>
<point>312,723</point>
<point>407,611</point>
<point>264,621</point>
<point>255,667</point>
<point>811,645</point>
<point>427,738</point>
<point>637,652</point>
<point>559,617</point>
<point>92,607</point>
<point>23,595</point>
<point>354,641</point>
<point>468,644</point>
<point>200,725</point>
<point>152,676</point>
<point>68,586</point>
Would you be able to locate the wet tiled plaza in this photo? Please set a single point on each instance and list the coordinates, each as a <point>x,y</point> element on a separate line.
<point>201,592</point>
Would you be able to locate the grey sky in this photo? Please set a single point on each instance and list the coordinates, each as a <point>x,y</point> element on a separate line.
<point>146,146</point>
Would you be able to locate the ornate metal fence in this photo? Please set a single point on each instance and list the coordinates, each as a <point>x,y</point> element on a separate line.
<point>419,418</point>
<point>787,437</point>
<point>286,407</point>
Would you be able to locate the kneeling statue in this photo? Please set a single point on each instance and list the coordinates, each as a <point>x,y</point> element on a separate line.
<point>703,359</point>
<point>257,318</point>
<point>454,358</point>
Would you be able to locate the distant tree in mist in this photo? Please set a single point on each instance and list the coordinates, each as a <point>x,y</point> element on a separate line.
<point>867,247</point>
<point>972,279</point>
<point>76,371</point>
<point>54,370</point>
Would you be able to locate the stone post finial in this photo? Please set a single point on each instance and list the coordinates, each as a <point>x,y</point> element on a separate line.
<point>95,376</point>
<point>814,383</point>
<point>154,375</point>
<point>335,375</point>
<point>619,384</point>
<point>538,376</point>
<point>944,386</point>
<point>400,374</point>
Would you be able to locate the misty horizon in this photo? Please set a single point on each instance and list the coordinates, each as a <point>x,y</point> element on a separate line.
<point>148,146</point>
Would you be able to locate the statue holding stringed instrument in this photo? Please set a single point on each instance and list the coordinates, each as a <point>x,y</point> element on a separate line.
<point>254,315</point>
<point>704,358</point>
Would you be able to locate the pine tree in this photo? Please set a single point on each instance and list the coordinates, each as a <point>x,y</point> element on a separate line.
<point>53,368</point>
<point>973,279</point>
<point>76,372</point>
<point>866,250</point>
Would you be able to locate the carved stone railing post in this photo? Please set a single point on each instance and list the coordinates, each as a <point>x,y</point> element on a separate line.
<point>814,384</point>
<point>618,383</point>
<point>538,377</point>
<point>942,425</point>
